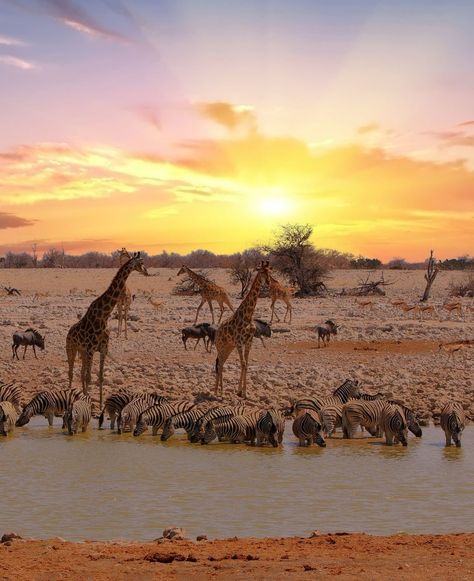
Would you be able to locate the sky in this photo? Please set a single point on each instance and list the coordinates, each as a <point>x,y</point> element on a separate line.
<point>182,124</point>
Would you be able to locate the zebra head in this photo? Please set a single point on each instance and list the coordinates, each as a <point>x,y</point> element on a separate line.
<point>209,434</point>
<point>141,425</point>
<point>168,429</point>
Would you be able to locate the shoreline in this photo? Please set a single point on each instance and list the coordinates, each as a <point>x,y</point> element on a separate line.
<point>321,556</point>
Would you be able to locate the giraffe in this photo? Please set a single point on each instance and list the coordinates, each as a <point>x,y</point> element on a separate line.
<point>279,292</point>
<point>209,291</point>
<point>125,300</point>
<point>90,333</point>
<point>238,332</point>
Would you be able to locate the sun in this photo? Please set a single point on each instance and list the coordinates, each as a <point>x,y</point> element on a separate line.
<point>275,203</point>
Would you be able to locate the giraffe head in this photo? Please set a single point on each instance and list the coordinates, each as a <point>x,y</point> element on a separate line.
<point>136,263</point>
<point>182,270</point>
<point>264,271</point>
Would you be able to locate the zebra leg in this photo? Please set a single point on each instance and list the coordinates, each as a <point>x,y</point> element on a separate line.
<point>119,424</point>
<point>448,438</point>
<point>112,417</point>
<point>154,430</point>
<point>49,415</point>
<point>388,438</point>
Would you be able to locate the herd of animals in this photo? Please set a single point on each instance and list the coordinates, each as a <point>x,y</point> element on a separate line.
<point>347,408</point>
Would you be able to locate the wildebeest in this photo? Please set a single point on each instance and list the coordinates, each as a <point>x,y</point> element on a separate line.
<point>325,331</point>
<point>29,337</point>
<point>198,332</point>
<point>262,329</point>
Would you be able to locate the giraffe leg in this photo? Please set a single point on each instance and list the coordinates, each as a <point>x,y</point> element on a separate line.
<point>84,371</point>
<point>222,307</point>
<point>103,353</point>
<point>274,312</point>
<point>244,358</point>
<point>125,319</point>
<point>222,356</point>
<point>198,309</point>
<point>212,311</point>
<point>119,317</point>
<point>71,351</point>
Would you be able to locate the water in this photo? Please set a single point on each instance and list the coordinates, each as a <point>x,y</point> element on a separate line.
<point>102,486</point>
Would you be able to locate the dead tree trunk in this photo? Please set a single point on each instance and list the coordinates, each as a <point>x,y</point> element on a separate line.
<point>432,270</point>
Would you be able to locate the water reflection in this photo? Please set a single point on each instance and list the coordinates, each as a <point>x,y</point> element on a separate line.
<point>100,485</point>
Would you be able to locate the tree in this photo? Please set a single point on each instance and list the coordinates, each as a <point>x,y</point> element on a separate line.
<point>52,258</point>
<point>296,258</point>
<point>432,269</point>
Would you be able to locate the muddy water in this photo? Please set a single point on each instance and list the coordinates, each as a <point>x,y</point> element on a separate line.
<point>103,486</point>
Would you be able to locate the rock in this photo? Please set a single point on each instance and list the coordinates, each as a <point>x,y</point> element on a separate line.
<point>7,537</point>
<point>315,533</point>
<point>201,538</point>
<point>174,534</point>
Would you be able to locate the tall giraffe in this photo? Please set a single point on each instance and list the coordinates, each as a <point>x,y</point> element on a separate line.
<point>238,332</point>
<point>90,333</point>
<point>125,300</point>
<point>279,292</point>
<point>209,291</point>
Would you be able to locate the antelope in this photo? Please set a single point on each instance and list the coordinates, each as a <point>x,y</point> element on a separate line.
<point>367,303</point>
<point>450,307</point>
<point>452,348</point>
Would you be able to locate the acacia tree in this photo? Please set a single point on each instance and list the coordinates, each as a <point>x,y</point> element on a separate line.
<point>432,269</point>
<point>296,258</point>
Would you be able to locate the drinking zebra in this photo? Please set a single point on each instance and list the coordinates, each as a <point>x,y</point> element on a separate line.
<point>213,413</point>
<point>394,424</point>
<point>307,428</point>
<point>156,416</point>
<point>129,414</point>
<point>78,415</point>
<point>117,401</point>
<point>453,421</point>
<point>270,427</point>
<point>350,389</point>
<point>12,393</point>
<point>227,428</point>
<point>331,418</point>
<point>186,420</point>
<point>49,404</point>
<point>8,416</point>
<point>410,416</point>
<point>362,413</point>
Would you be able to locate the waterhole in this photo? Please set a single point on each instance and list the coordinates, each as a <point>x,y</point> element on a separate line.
<point>100,485</point>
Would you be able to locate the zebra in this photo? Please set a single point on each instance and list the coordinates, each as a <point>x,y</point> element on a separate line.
<point>49,404</point>
<point>12,393</point>
<point>117,401</point>
<point>307,428</point>
<point>186,420</point>
<point>129,413</point>
<point>349,389</point>
<point>453,421</point>
<point>270,427</point>
<point>410,416</point>
<point>215,412</point>
<point>156,415</point>
<point>331,418</point>
<point>325,331</point>
<point>394,424</point>
<point>232,428</point>
<point>78,415</point>
<point>364,413</point>
<point>8,416</point>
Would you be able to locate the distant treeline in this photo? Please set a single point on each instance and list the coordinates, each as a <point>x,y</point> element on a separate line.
<point>54,258</point>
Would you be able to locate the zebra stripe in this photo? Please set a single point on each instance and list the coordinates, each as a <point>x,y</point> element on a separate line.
<point>115,403</point>
<point>213,413</point>
<point>270,428</point>
<point>227,428</point>
<point>394,424</point>
<point>156,415</point>
<point>12,393</point>
<point>186,420</point>
<point>363,413</point>
<point>49,404</point>
<point>8,416</point>
<point>410,416</point>
<point>453,421</point>
<point>331,418</point>
<point>307,428</point>
<point>129,414</point>
<point>350,389</point>
<point>78,415</point>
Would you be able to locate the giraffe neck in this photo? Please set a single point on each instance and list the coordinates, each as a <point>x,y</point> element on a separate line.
<point>247,306</point>
<point>197,278</point>
<point>103,306</point>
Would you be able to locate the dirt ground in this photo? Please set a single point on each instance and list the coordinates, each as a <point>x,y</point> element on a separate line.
<point>354,556</point>
<point>387,349</point>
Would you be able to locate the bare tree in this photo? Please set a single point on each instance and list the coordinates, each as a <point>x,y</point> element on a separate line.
<point>35,256</point>
<point>431,273</point>
<point>296,258</point>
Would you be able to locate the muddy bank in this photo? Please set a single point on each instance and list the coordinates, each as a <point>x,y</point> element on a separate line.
<point>346,556</point>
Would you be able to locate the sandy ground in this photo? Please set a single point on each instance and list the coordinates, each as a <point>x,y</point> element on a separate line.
<point>354,556</point>
<point>387,349</point>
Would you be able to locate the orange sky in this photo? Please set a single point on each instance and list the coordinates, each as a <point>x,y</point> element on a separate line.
<point>129,126</point>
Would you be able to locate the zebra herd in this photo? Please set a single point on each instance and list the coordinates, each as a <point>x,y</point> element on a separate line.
<point>314,418</point>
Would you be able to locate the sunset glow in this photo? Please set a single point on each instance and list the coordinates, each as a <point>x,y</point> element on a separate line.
<point>179,125</point>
